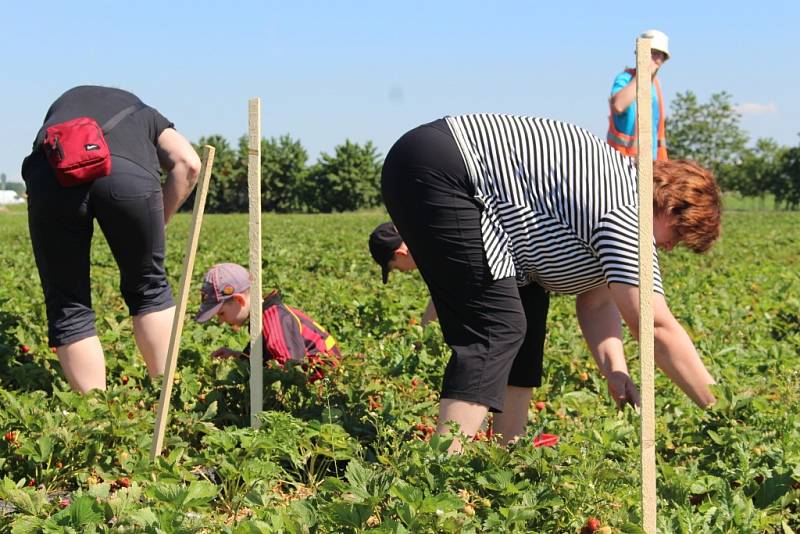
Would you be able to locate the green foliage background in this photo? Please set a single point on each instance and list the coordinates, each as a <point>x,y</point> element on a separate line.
<point>348,179</point>
<point>344,455</point>
<point>709,132</point>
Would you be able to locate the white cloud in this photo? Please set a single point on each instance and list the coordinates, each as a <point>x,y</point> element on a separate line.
<point>754,108</point>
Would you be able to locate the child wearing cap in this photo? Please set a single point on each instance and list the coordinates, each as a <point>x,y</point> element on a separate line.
<point>288,333</point>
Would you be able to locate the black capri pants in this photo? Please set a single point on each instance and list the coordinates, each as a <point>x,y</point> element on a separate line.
<point>495,329</point>
<point>129,209</point>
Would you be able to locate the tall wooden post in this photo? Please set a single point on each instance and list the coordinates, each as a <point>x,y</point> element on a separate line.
<point>254,195</point>
<point>180,305</point>
<point>644,150</point>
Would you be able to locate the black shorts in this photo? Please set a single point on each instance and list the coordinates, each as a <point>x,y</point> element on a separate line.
<point>495,329</point>
<point>129,209</point>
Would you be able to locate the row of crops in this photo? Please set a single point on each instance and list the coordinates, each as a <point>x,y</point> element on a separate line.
<point>353,452</point>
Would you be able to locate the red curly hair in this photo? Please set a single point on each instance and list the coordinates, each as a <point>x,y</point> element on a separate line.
<point>690,195</point>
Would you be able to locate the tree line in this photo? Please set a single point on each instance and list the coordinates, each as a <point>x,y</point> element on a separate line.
<point>710,133</point>
<point>349,179</point>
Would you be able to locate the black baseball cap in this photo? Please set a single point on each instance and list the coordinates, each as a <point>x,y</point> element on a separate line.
<point>383,242</point>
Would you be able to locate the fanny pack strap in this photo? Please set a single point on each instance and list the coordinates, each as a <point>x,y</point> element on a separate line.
<point>111,123</point>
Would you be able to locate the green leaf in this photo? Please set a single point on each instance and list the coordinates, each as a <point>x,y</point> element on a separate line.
<point>631,528</point>
<point>444,502</point>
<point>210,413</point>
<point>199,494</point>
<point>27,525</point>
<point>44,447</point>
<point>349,514</point>
<point>99,491</point>
<point>251,526</point>
<point>521,514</point>
<point>143,517</point>
<point>772,490</point>
<point>407,493</point>
<point>83,512</point>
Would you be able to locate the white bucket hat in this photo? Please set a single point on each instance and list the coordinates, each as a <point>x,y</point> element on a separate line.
<point>658,40</point>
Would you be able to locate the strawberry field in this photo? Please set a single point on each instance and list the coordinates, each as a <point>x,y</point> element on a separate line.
<point>354,452</point>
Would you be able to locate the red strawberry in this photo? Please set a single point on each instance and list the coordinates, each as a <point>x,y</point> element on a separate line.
<point>540,405</point>
<point>124,482</point>
<point>10,437</point>
<point>24,349</point>
<point>424,431</point>
<point>545,440</point>
<point>592,525</point>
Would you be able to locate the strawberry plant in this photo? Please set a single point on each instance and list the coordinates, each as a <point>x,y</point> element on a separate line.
<point>356,451</point>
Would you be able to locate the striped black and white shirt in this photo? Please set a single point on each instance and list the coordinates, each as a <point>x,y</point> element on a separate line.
<point>559,204</point>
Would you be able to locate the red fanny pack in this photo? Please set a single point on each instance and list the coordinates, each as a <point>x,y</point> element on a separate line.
<point>77,148</point>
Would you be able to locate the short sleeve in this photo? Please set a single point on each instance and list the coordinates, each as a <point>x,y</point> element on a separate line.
<point>621,81</point>
<point>615,240</point>
<point>157,123</point>
<point>624,122</point>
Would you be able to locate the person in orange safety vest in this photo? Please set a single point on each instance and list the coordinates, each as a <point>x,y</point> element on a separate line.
<point>622,119</point>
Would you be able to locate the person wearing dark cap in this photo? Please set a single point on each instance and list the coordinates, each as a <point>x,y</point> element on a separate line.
<point>387,248</point>
<point>288,333</point>
<point>390,252</point>
<point>494,209</point>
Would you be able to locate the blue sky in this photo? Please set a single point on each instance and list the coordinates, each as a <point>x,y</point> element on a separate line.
<point>333,70</point>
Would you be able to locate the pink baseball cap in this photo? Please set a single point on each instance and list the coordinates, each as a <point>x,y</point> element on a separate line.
<point>221,282</point>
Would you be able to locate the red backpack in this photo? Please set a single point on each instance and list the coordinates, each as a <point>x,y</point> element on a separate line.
<point>77,148</point>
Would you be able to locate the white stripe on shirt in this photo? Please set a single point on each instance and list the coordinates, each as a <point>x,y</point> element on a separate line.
<point>559,204</point>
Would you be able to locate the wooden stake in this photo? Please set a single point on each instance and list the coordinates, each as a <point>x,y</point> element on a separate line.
<point>180,305</point>
<point>254,194</point>
<point>644,165</point>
